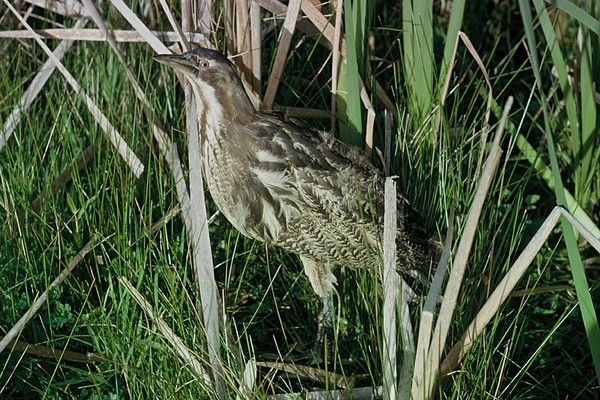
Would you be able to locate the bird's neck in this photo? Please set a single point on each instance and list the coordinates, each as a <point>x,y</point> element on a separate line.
<point>223,105</point>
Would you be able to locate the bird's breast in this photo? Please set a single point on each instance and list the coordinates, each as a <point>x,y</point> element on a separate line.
<point>249,185</point>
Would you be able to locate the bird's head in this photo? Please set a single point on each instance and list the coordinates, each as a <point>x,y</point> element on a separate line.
<point>213,79</point>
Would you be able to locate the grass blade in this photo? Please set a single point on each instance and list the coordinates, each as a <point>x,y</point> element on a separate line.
<point>352,132</point>
<point>460,262</point>
<point>579,279</point>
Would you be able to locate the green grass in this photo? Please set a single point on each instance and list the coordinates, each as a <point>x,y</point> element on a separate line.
<point>536,348</point>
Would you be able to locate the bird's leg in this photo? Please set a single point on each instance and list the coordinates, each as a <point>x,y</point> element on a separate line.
<point>325,321</point>
<point>322,280</point>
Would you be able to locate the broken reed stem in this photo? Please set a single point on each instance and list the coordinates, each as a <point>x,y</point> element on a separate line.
<point>407,340</point>
<point>246,387</point>
<point>391,287</point>
<point>200,244</point>
<point>289,26</point>
<point>57,354</point>
<point>198,233</point>
<point>98,35</point>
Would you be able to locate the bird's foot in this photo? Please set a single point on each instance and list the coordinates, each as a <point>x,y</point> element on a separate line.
<point>322,348</point>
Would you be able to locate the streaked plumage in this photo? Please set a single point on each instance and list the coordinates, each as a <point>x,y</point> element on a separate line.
<point>280,182</point>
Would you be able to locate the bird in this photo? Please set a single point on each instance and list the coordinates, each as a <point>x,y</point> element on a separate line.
<point>280,181</point>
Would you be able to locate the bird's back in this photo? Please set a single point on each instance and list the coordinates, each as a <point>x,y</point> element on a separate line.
<point>310,194</point>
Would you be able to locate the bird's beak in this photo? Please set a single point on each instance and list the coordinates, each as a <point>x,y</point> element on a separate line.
<point>177,61</point>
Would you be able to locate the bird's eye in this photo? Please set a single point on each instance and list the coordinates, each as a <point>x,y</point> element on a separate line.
<point>204,64</point>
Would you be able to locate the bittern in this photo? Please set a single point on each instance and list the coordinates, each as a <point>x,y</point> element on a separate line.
<point>278,181</point>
